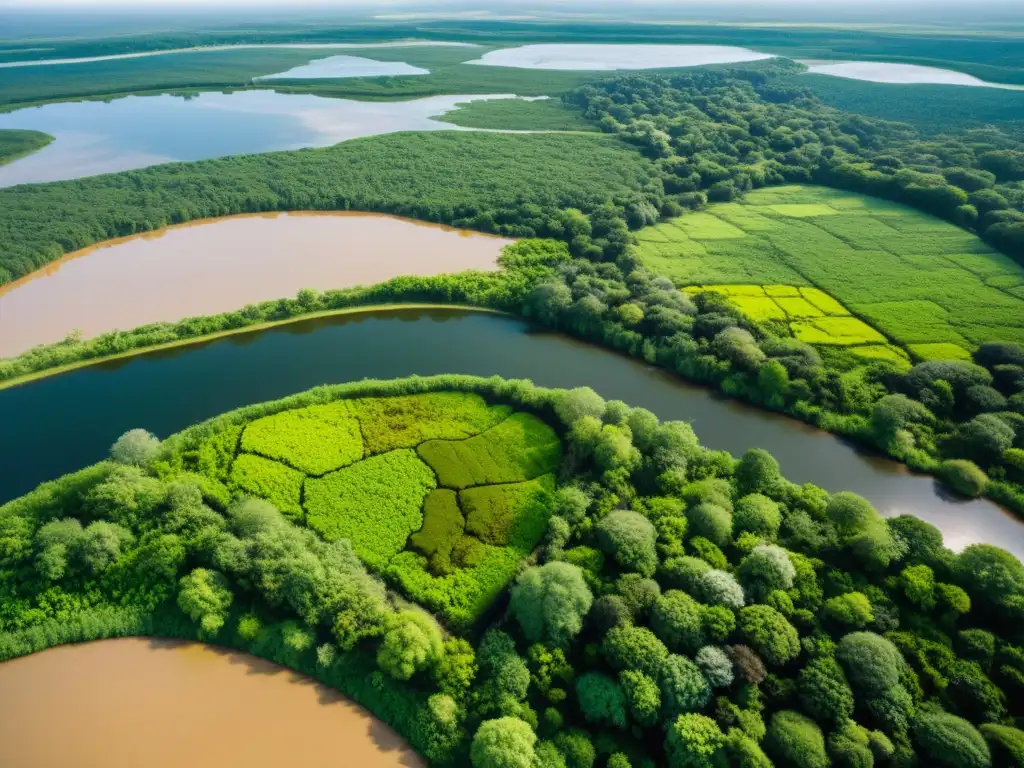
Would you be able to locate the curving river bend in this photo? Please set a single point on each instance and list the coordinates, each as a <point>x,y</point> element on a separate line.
<point>65,422</point>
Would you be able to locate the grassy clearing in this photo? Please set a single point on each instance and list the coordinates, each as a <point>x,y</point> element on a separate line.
<point>314,440</point>
<point>376,504</point>
<point>349,469</point>
<point>519,448</point>
<point>270,480</point>
<point>918,280</point>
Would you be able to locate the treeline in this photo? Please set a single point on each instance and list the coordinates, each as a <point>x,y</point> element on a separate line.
<point>715,135</point>
<point>685,609</point>
<point>509,184</point>
<point>15,144</point>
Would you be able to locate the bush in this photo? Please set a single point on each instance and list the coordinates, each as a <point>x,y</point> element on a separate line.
<point>758,472</point>
<point>676,619</point>
<point>506,742</point>
<point>824,692</point>
<point>683,687</point>
<point>872,664</point>
<point>550,602</point>
<point>136,447</point>
<point>205,596</point>
<point>411,644</point>
<point>577,749</point>
<point>601,700</point>
<point>951,741</point>
<point>795,740</point>
<point>694,741</point>
<point>710,521</point>
<point>757,514</point>
<point>770,634</point>
<point>1005,743</point>
<point>850,746</point>
<point>629,647</point>
<point>766,569</point>
<point>629,537</point>
<point>852,610</point>
<point>642,695</point>
<point>964,477</point>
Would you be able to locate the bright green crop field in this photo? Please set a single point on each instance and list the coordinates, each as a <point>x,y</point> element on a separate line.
<point>925,283</point>
<point>441,493</point>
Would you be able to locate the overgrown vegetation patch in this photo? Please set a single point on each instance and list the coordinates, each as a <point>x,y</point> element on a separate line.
<point>280,485</point>
<point>314,440</point>
<point>918,279</point>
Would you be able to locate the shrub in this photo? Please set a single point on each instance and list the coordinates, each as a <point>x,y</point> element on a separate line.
<point>872,664</point>
<point>683,687</point>
<point>638,592</point>
<point>951,741</point>
<point>550,602</point>
<point>676,619</point>
<point>694,741</point>
<point>577,749</point>
<point>720,588</point>
<point>984,438</point>
<point>795,740</point>
<point>710,521</point>
<point>852,610</point>
<point>506,742</point>
<point>1005,743</point>
<point>629,537</point>
<point>770,634</point>
<point>136,447</point>
<point>205,596</point>
<point>992,576</point>
<point>758,472</point>
<point>757,514</point>
<point>601,699</point>
<point>685,572</point>
<point>642,695</point>
<point>766,569</point>
<point>850,746</point>
<point>715,665</point>
<point>411,644</point>
<point>443,526</point>
<point>964,477</point>
<point>824,692</point>
<point>609,611</point>
<point>629,647</point>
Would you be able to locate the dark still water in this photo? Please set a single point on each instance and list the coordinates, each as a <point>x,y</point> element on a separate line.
<point>66,422</point>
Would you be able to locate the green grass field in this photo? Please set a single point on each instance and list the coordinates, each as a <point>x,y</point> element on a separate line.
<point>368,470</point>
<point>927,284</point>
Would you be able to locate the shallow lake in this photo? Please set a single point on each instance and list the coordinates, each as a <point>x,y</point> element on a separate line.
<point>346,66</point>
<point>906,74</point>
<point>136,131</point>
<point>143,702</point>
<point>220,265</point>
<point>63,423</point>
<point>597,57</point>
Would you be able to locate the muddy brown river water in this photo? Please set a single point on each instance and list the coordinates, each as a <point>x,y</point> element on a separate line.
<point>219,265</point>
<point>136,702</point>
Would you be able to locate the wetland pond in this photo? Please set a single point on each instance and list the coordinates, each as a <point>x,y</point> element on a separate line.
<point>600,57</point>
<point>904,74</point>
<point>162,703</point>
<point>93,137</point>
<point>85,410</point>
<point>219,265</point>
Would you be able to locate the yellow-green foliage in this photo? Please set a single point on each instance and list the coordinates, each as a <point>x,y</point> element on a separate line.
<point>315,440</point>
<point>513,514</point>
<point>797,306</point>
<point>916,278</point>
<point>885,352</point>
<point>376,504</point>
<point>270,480</point>
<point>443,526</point>
<point>940,352</point>
<point>408,420</point>
<point>519,448</point>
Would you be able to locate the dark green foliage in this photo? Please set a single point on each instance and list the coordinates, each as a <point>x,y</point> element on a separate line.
<point>577,749</point>
<point>951,741</point>
<point>992,577</point>
<point>711,522</point>
<point>849,746</point>
<point>642,695</point>
<point>768,632</point>
<point>683,687</point>
<point>443,526</point>
<point>15,144</point>
<point>964,477</point>
<point>629,647</point>
<point>758,472</point>
<point>824,692</point>
<point>795,740</point>
<point>550,602</point>
<point>676,619</point>
<point>694,741</point>
<point>601,700</point>
<point>872,664</point>
<point>1005,743</point>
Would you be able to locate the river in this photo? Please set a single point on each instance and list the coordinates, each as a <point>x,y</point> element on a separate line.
<point>163,704</point>
<point>212,266</point>
<point>65,422</point>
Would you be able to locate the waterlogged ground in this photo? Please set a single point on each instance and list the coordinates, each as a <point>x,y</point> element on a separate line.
<point>904,74</point>
<point>163,704</point>
<point>598,57</point>
<point>93,137</point>
<point>220,265</point>
<point>346,66</point>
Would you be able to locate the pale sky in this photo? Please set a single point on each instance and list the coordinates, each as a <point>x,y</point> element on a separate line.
<point>579,5</point>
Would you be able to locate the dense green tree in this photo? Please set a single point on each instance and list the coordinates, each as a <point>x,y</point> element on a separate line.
<point>795,740</point>
<point>601,699</point>
<point>629,537</point>
<point>1006,745</point>
<point>872,664</point>
<point>629,647</point>
<point>136,447</point>
<point>849,746</point>
<point>412,643</point>
<point>720,588</point>
<point>577,749</point>
<point>951,741</point>
<point>766,569</point>
<point>642,695</point>
<point>757,514</point>
<point>505,742</point>
<point>677,620</point>
<point>768,632</point>
<point>550,602</point>
<point>695,741</point>
<point>683,687</point>
<point>758,472</point>
<point>712,522</point>
<point>851,610</point>
<point>992,577</point>
<point>824,693</point>
<point>205,596</point>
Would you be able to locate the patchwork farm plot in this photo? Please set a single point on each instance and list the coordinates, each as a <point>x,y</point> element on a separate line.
<point>441,494</point>
<point>933,287</point>
<point>812,315</point>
